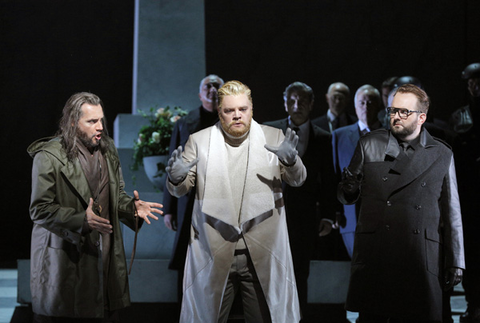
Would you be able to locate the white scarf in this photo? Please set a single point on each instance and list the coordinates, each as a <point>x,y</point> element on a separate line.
<point>257,193</point>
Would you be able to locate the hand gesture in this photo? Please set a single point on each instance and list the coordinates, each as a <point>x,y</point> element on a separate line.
<point>350,182</point>
<point>170,222</point>
<point>96,222</point>
<point>325,228</point>
<point>176,168</point>
<point>453,276</point>
<point>145,209</point>
<point>286,152</point>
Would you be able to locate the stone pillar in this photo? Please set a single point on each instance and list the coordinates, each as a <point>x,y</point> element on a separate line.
<point>169,53</point>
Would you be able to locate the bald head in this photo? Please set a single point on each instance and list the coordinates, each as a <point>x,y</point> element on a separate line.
<point>367,104</point>
<point>337,98</point>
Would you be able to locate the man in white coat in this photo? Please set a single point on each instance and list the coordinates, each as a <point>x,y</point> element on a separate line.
<point>239,239</point>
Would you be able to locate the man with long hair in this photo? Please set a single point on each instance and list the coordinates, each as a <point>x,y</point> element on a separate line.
<point>78,268</point>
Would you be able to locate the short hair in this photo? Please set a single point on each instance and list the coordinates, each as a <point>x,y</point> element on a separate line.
<point>368,87</point>
<point>233,88</point>
<point>423,100</point>
<point>210,76</point>
<point>71,114</point>
<point>299,87</point>
<point>389,83</point>
<point>345,91</point>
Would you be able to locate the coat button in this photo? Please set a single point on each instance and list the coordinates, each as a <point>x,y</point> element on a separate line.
<point>387,227</point>
<point>389,203</point>
<point>424,184</point>
<point>418,207</point>
<point>97,243</point>
<point>416,231</point>
<point>385,178</point>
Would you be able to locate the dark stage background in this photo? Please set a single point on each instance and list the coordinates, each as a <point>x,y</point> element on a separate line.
<point>52,49</point>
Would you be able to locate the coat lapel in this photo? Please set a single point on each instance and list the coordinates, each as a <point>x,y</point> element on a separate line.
<point>73,172</point>
<point>411,168</point>
<point>353,135</point>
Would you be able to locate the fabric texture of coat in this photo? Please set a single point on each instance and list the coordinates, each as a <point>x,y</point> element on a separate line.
<point>216,228</point>
<point>66,265</point>
<point>409,228</point>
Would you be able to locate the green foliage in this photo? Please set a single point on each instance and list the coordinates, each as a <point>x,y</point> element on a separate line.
<point>154,138</point>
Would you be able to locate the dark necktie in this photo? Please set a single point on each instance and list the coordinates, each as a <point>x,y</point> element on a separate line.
<point>405,146</point>
<point>364,131</point>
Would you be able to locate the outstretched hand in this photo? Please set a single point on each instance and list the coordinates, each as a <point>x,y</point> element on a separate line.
<point>286,152</point>
<point>176,168</point>
<point>146,209</point>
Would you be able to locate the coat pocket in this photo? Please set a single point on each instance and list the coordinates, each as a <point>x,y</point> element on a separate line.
<point>433,248</point>
<point>365,246</point>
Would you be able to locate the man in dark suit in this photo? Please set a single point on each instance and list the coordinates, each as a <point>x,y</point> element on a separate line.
<point>344,140</point>
<point>178,211</point>
<point>311,207</point>
<point>338,97</point>
<point>409,241</point>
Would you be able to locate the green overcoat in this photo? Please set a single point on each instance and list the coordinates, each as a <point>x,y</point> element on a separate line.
<point>66,264</point>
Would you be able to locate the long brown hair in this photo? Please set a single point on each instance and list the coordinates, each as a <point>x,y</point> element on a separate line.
<point>71,114</point>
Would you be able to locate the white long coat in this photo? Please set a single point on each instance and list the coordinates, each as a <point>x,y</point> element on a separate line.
<point>215,228</point>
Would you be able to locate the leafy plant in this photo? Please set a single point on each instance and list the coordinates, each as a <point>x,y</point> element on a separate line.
<point>154,138</point>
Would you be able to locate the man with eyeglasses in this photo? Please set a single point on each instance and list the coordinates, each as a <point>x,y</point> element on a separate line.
<point>409,240</point>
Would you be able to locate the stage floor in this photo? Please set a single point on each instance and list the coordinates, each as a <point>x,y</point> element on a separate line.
<point>8,302</point>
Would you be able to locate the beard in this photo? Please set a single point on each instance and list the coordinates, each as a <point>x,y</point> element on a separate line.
<point>403,132</point>
<point>234,132</point>
<point>87,141</point>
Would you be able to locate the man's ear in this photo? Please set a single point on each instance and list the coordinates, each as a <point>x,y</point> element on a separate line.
<point>285,105</point>
<point>422,118</point>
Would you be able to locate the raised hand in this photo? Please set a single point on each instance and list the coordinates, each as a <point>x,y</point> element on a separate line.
<point>146,209</point>
<point>176,168</point>
<point>286,152</point>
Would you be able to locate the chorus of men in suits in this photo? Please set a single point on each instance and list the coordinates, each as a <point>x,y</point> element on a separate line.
<point>310,209</point>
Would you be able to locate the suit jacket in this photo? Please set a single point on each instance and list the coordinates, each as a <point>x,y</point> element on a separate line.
<point>181,207</point>
<point>66,264</point>
<point>409,229</point>
<point>216,229</point>
<point>315,199</point>
<point>344,141</point>
<point>323,123</point>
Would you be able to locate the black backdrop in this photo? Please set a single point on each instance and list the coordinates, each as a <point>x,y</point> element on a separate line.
<point>52,49</point>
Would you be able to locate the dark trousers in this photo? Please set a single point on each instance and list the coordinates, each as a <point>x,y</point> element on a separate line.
<point>243,278</point>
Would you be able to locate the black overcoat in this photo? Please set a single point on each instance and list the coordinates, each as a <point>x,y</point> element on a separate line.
<point>409,228</point>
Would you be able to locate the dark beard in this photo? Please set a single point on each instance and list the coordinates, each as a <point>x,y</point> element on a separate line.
<point>404,132</point>
<point>87,141</point>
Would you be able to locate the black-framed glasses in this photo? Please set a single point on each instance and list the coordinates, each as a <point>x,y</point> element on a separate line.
<point>403,113</point>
